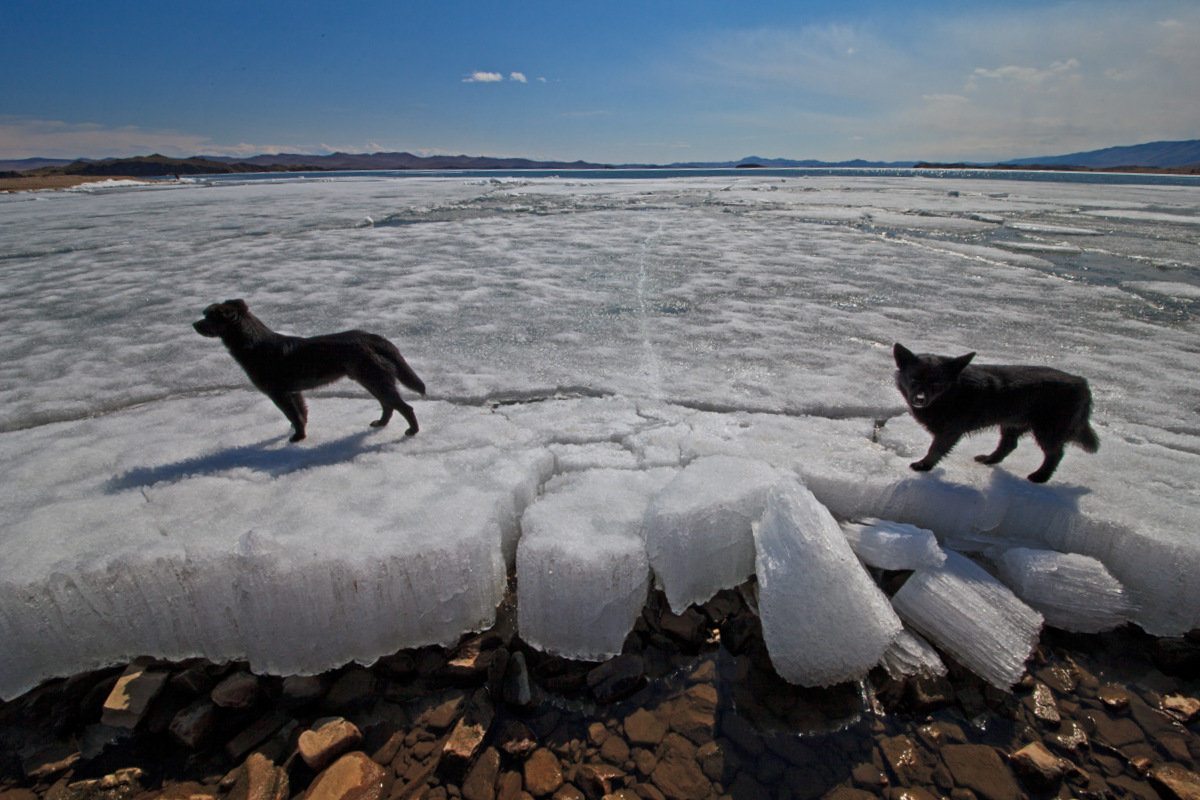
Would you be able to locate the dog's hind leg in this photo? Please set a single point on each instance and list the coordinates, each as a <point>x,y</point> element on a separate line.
<point>293,407</point>
<point>1049,464</point>
<point>1008,443</point>
<point>384,390</point>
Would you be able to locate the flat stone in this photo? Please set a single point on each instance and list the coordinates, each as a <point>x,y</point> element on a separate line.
<point>239,690</point>
<point>354,776</point>
<point>1184,708</point>
<point>466,739</point>
<point>1038,768</point>
<point>1176,781</point>
<point>259,779</point>
<point>300,689</point>
<point>644,728</point>
<point>677,774</point>
<point>1114,697</point>
<point>900,755</point>
<point>617,678</point>
<point>352,687</point>
<point>517,740</point>
<point>1118,732</point>
<point>543,773</point>
<point>694,713</point>
<point>599,780</point>
<point>480,781</point>
<point>328,740</point>
<point>255,734</point>
<point>1042,704</point>
<point>979,768</point>
<point>130,698</point>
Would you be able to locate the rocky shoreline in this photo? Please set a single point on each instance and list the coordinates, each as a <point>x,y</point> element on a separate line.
<point>691,710</point>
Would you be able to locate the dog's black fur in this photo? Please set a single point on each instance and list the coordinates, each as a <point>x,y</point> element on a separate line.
<point>950,398</point>
<point>284,366</point>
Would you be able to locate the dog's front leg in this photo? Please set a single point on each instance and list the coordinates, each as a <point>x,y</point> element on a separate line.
<point>293,407</point>
<point>942,444</point>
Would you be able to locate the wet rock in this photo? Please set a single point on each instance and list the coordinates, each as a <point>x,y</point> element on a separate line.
<point>1070,737</point>
<point>677,774</point>
<point>688,627</point>
<point>900,756</point>
<point>564,792</point>
<point>617,678</point>
<point>467,737</point>
<point>480,781</point>
<point>518,689</point>
<point>543,773</point>
<point>1038,768</point>
<point>354,776</point>
<point>195,725</point>
<point>1113,697</point>
<point>255,734</point>
<point>599,780</point>
<point>1179,657</point>
<point>239,690</point>
<point>1185,709</point>
<point>711,758</point>
<point>644,728</point>
<point>352,688</point>
<point>1174,781</point>
<point>1117,732</point>
<point>615,750</point>
<point>509,784</point>
<point>441,716</point>
<point>1041,704</point>
<point>327,740</point>
<point>694,713</point>
<point>130,698</point>
<point>471,659</point>
<point>300,689</point>
<point>517,740</point>
<point>120,785</point>
<point>258,779</point>
<point>979,768</point>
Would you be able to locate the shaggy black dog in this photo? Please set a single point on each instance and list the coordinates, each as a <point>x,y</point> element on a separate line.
<point>950,398</point>
<point>284,366</point>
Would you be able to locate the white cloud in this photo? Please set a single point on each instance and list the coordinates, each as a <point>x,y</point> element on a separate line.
<point>484,77</point>
<point>519,77</point>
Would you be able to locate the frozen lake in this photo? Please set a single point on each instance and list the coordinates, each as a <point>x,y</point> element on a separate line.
<point>581,339</point>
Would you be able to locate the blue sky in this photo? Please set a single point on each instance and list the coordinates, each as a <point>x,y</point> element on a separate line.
<point>602,80</point>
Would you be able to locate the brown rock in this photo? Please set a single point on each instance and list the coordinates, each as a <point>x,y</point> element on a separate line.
<point>441,716</point>
<point>517,740</point>
<point>688,627</point>
<point>239,690</point>
<point>1115,732</point>
<point>694,713</point>
<point>979,768</point>
<point>1042,704</point>
<point>712,761</point>
<point>472,658</point>
<point>614,750</point>
<point>352,687</point>
<point>1038,768</point>
<point>352,777</point>
<point>644,728</point>
<point>1175,781</point>
<point>848,793</point>
<point>677,774</point>
<point>543,773</point>
<point>617,678</point>
<point>259,779</point>
<point>129,700</point>
<point>567,792</point>
<point>1114,697</point>
<point>120,785</point>
<point>300,689</point>
<point>467,736</point>
<point>509,785</point>
<point>255,734</point>
<point>480,782</point>
<point>328,740</point>
<point>599,780</point>
<point>1184,708</point>
<point>1070,737</point>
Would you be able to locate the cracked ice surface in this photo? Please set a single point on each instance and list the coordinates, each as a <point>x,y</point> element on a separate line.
<point>567,330</point>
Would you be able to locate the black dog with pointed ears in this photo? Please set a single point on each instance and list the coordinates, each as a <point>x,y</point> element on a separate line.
<point>951,397</point>
<point>284,366</point>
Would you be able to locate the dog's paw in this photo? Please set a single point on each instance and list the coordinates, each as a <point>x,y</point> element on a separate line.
<point>412,431</point>
<point>296,437</point>
<point>921,466</point>
<point>986,459</point>
<point>377,423</point>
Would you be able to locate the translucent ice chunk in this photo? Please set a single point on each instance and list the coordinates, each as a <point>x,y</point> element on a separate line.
<point>893,545</point>
<point>698,532</point>
<point>581,562</point>
<point>912,655</point>
<point>1073,592</point>
<point>971,615</point>
<point>824,620</point>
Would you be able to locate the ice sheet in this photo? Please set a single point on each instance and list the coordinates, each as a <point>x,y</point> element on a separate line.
<point>562,326</point>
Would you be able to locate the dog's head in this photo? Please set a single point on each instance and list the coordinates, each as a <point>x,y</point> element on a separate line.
<point>221,318</point>
<point>923,378</point>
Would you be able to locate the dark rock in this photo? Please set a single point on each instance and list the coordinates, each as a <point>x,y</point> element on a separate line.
<point>617,678</point>
<point>131,696</point>
<point>677,774</point>
<point>517,740</point>
<point>466,739</point>
<point>195,725</point>
<point>258,779</point>
<point>298,690</point>
<point>239,690</point>
<point>645,728</point>
<point>599,780</point>
<point>518,690</point>
<point>480,780</point>
<point>694,713</point>
<point>1176,782</point>
<point>352,688</point>
<point>255,734</point>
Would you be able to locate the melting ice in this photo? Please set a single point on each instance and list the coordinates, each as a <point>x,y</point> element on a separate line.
<point>621,372</point>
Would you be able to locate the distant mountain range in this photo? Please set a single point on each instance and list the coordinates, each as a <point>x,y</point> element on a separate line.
<point>1175,156</point>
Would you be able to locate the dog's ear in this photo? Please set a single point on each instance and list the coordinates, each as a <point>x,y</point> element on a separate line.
<point>957,365</point>
<point>239,304</point>
<point>903,355</point>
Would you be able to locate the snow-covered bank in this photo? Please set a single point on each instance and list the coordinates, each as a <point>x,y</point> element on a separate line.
<point>576,339</point>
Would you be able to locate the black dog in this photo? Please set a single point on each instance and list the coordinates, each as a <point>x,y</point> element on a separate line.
<point>284,366</point>
<point>950,399</point>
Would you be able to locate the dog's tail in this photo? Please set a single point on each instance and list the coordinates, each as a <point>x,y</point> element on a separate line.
<point>1081,431</point>
<point>405,374</point>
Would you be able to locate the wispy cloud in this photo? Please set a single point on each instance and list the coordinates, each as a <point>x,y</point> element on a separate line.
<point>484,77</point>
<point>519,77</point>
